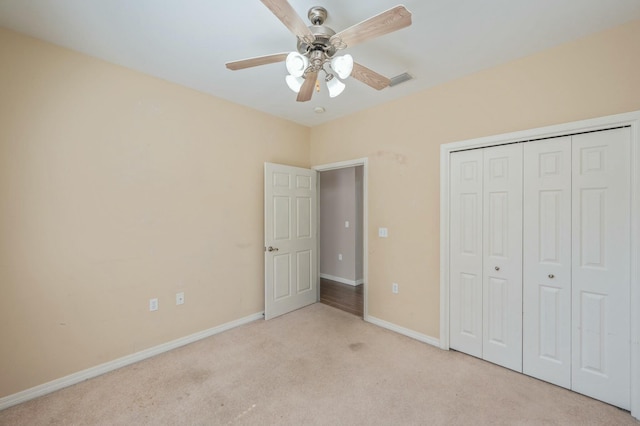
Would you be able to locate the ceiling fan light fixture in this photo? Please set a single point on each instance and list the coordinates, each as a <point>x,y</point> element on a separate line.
<point>317,45</point>
<point>296,64</point>
<point>342,65</point>
<point>335,87</point>
<point>294,83</point>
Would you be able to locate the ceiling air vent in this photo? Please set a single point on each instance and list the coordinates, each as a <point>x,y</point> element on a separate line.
<point>401,78</point>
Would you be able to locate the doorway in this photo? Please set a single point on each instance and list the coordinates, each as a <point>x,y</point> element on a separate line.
<point>342,239</point>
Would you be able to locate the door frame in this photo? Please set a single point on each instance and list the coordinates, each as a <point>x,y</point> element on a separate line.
<point>364,162</point>
<point>631,119</point>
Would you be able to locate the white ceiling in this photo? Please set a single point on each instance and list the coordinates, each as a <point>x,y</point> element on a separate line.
<point>189,41</point>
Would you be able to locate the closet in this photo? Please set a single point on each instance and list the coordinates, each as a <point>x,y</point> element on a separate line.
<point>539,259</point>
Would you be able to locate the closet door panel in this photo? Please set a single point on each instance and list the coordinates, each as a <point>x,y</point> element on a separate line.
<point>601,266</point>
<point>547,261</point>
<point>502,262</point>
<point>465,312</point>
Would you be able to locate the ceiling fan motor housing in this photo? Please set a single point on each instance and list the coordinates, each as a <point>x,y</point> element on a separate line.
<point>317,15</point>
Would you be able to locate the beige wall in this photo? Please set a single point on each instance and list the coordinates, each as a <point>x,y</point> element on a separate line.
<point>116,187</point>
<point>595,76</point>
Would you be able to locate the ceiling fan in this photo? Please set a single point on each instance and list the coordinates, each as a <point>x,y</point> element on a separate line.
<point>318,45</point>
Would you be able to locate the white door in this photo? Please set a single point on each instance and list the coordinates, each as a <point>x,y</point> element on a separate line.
<point>546,302</point>
<point>601,266</point>
<point>465,312</point>
<point>502,263</point>
<point>290,239</point>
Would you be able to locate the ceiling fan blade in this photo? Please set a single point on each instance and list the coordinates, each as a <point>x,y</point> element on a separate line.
<point>285,13</point>
<point>369,77</point>
<point>306,91</point>
<point>386,22</point>
<point>254,62</point>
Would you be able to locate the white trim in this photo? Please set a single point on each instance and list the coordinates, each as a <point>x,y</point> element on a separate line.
<point>342,280</point>
<point>341,164</point>
<point>404,331</point>
<point>635,267</point>
<point>364,162</point>
<point>89,373</point>
<point>444,246</point>
<point>627,119</point>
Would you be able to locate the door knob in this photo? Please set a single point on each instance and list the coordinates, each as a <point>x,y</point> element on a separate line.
<point>551,275</point>
<point>272,248</point>
<point>497,268</point>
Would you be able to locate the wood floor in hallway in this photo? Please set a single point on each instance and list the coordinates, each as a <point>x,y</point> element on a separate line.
<point>343,296</point>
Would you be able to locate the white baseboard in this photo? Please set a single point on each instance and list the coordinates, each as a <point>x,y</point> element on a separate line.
<point>342,280</point>
<point>98,370</point>
<point>404,331</point>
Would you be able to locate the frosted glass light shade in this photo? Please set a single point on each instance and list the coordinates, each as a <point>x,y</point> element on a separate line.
<point>335,87</point>
<point>294,83</point>
<point>296,64</point>
<point>342,65</point>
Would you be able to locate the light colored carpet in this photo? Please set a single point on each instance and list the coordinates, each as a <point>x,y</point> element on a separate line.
<point>314,366</point>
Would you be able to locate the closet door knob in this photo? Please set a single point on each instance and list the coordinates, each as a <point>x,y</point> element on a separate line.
<point>497,268</point>
<point>551,275</point>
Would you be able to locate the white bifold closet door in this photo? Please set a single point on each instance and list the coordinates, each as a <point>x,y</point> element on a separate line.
<point>540,259</point>
<point>547,261</point>
<point>576,263</point>
<point>486,254</point>
<point>465,289</point>
<point>502,262</point>
<point>601,259</point>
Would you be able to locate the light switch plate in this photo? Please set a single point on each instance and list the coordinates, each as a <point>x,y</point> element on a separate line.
<point>346,223</point>
<point>383,232</point>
